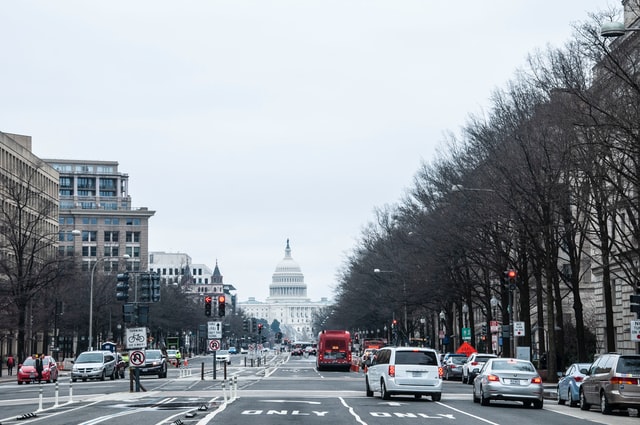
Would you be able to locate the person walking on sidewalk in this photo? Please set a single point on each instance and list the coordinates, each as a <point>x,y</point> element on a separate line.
<point>11,362</point>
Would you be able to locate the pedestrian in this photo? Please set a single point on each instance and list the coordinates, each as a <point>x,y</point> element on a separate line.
<point>178,358</point>
<point>39,366</point>
<point>10,363</point>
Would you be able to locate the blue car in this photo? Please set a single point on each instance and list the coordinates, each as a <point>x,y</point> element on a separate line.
<point>568,389</point>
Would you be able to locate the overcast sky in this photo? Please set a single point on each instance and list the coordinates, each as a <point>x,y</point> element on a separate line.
<point>244,123</point>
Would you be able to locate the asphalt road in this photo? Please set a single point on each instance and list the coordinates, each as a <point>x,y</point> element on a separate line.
<point>288,390</point>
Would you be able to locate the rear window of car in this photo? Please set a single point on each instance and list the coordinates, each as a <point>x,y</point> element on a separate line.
<point>629,365</point>
<point>458,360</point>
<point>510,365</point>
<point>483,358</point>
<point>426,358</point>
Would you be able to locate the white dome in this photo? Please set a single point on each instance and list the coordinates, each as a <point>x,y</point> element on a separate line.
<point>287,281</point>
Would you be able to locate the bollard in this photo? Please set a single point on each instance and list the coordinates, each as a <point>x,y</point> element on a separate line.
<point>70,392</point>
<point>40,398</point>
<point>224,392</point>
<point>235,387</point>
<point>202,371</point>
<point>56,397</point>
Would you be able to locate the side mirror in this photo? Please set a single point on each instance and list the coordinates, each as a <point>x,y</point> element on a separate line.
<point>561,374</point>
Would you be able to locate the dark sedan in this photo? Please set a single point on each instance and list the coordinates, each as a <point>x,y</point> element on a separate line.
<point>155,364</point>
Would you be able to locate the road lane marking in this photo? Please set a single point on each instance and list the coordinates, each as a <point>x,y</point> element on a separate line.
<point>466,413</point>
<point>352,412</point>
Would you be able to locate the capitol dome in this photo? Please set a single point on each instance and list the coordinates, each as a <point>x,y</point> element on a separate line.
<point>287,281</point>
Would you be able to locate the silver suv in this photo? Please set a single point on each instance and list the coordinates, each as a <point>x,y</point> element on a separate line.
<point>94,365</point>
<point>612,383</point>
<point>405,370</point>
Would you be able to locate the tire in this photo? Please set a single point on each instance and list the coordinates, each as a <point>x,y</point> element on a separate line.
<point>559,398</point>
<point>20,382</point>
<point>73,379</point>
<point>383,391</point>
<point>537,404</point>
<point>483,400</point>
<point>463,379</point>
<point>103,376</point>
<point>583,402</point>
<point>417,396</point>
<point>526,404</point>
<point>605,407</point>
<point>572,402</point>
<point>476,399</point>
<point>368,390</point>
<point>436,396</point>
<point>113,374</point>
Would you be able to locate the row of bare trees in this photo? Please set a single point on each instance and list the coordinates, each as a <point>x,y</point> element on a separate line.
<point>545,182</point>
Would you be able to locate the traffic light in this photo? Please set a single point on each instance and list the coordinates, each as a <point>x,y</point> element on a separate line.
<point>484,329</point>
<point>207,305</point>
<point>259,328</point>
<point>145,288</point>
<point>221,305</point>
<point>155,287</point>
<point>128,313</point>
<point>245,325</point>
<point>511,277</point>
<point>122,287</point>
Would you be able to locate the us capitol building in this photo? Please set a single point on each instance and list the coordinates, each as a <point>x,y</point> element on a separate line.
<point>287,302</point>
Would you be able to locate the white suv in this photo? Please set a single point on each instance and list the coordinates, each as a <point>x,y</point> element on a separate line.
<point>472,366</point>
<point>405,370</point>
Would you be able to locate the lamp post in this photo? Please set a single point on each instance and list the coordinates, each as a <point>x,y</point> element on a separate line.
<point>442,330</point>
<point>404,296</point>
<point>615,29</point>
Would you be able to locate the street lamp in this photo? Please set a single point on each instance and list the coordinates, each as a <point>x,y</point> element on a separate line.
<point>615,29</point>
<point>404,296</point>
<point>465,312</point>
<point>442,329</point>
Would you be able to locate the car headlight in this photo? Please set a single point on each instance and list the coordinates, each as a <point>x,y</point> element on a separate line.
<point>98,368</point>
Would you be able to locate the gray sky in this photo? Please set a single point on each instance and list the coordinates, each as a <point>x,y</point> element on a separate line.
<point>244,123</point>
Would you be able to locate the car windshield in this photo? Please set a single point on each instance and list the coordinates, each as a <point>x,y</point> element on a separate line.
<point>95,357</point>
<point>171,353</point>
<point>512,365</point>
<point>222,352</point>
<point>630,365</point>
<point>29,362</point>
<point>427,358</point>
<point>458,360</point>
<point>153,354</point>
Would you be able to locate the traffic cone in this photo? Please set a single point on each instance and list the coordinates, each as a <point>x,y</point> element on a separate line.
<point>186,362</point>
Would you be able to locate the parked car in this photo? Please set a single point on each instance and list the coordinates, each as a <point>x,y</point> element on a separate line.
<point>453,367</point>
<point>94,365</point>
<point>233,350</point>
<point>612,383</point>
<point>473,365</point>
<point>508,379</point>
<point>405,370</point>
<point>155,363</point>
<point>27,370</point>
<point>568,388</point>
<point>244,350</point>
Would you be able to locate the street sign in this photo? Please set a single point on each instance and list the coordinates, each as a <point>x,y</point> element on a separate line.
<point>635,330</point>
<point>214,330</point>
<point>494,326</point>
<point>518,328</point>
<point>137,358</point>
<point>213,344</point>
<point>466,334</point>
<point>136,338</point>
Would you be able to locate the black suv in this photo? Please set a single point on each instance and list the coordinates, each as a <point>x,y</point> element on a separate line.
<point>155,364</point>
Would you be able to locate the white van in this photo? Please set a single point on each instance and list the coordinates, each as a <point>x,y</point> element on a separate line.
<point>405,370</point>
<point>94,365</point>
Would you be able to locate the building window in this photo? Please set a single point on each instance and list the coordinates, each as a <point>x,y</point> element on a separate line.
<point>89,220</point>
<point>133,237</point>
<point>132,221</point>
<point>86,183</point>
<point>89,236</point>
<point>111,251</point>
<point>133,251</point>
<point>111,236</point>
<point>89,251</point>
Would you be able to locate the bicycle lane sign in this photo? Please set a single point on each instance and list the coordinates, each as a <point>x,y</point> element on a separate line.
<point>136,338</point>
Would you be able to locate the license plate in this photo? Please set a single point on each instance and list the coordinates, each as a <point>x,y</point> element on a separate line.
<point>514,381</point>
<point>416,374</point>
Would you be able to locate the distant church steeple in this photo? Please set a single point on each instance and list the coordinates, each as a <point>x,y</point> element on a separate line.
<point>216,277</point>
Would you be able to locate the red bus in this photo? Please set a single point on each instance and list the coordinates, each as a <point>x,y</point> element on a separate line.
<point>334,350</point>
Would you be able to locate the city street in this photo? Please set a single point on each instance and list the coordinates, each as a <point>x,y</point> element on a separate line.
<point>291,389</point>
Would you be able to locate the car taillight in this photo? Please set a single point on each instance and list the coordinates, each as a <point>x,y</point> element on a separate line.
<point>536,380</point>
<point>392,370</point>
<point>578,378</point>
<point>474,363</point>
<point>620,380</point>
<point>493,378</point>
<point>440,372</point>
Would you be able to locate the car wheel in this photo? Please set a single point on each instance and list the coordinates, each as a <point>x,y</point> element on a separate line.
<point>417,396</point>
<point>537,404</point>
<point>113,374</point>
<point>470,379</point>
<point>559,396</point>
<point>572,402</point>
<point>383,391</point>
<point>73,379</point>
<point>436,396</point>
<point>476,399</point>
<point>463,379</point>
<point>19,382</point>
<point>526,404</point>
<point>583,402</point>
<point>483,400</point>
<point>605,407</point>
<point>368,390</point>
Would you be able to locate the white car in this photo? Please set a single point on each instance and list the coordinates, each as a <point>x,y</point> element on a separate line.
<point>472,366</point>
<point>223,356</point>
<point>405,370</point>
